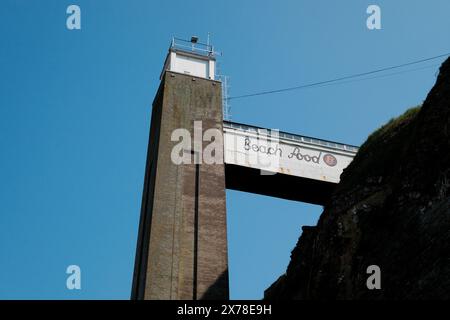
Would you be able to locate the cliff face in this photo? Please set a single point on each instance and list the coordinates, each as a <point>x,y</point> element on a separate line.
<point>391,209</point>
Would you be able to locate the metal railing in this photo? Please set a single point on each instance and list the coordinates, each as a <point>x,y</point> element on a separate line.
<point>293,137</point>
<point>195,47</point>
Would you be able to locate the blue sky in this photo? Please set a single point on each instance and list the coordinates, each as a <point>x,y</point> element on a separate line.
<point>75,112</point>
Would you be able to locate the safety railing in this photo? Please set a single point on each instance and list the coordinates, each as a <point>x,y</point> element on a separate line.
<point>292,137</point>
<point>194,47</point>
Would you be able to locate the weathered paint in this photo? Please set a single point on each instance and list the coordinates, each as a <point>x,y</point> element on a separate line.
<point>271,151</point>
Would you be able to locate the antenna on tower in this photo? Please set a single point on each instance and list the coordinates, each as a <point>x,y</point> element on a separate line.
<point>226,108</point>
<point>225,95</point>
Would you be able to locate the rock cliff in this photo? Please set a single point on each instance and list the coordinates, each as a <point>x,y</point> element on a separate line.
<point>391,209</point>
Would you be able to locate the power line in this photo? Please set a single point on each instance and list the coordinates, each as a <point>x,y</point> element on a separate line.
<point>380,76</point>
<point>319,83</point>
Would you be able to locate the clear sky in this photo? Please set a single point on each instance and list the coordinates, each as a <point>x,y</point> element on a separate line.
<point>75,114</point>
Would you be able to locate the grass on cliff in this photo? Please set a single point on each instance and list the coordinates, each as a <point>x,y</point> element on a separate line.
<point>390,127</point>
<point>377,156</point>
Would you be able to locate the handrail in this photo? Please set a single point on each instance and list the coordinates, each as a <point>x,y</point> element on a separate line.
<point>295,137</point>
<point>198,47</point>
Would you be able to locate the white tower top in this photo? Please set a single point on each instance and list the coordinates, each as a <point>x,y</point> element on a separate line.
<point>191,58</point>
